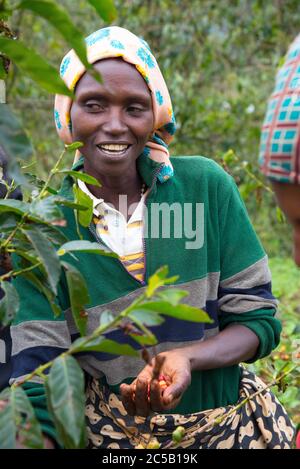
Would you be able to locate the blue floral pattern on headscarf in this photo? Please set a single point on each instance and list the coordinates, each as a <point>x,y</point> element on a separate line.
<point>146,57</point>
<point>118,42</point>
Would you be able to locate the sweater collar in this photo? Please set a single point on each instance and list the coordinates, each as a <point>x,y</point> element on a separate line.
<point>147,168</point>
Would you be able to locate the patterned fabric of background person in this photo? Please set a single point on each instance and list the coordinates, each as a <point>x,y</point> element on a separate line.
<point>279,155</point>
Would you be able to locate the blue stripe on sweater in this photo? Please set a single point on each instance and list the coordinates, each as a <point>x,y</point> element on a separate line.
<point>29,359</point>
<point>171,330</point>
<point>212,310</point>
<point>263,291</point>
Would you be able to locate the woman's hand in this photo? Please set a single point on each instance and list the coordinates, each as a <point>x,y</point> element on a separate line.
<point>145,394</point>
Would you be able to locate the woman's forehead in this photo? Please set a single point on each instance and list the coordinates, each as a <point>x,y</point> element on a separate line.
<point>115,74</point>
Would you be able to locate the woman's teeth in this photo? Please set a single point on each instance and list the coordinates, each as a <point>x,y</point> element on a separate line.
<point>113,149</point>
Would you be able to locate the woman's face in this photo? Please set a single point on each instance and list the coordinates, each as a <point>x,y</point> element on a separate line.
<point>113,119</point>
<point>288,196</point>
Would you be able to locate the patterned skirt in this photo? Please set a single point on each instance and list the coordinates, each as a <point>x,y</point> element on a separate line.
<point>261,423</point>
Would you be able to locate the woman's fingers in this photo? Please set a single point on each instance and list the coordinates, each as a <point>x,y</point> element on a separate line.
<point>127,399</point>
<point>174,392</point>
<point>156,391</point>
<point>141,397</point>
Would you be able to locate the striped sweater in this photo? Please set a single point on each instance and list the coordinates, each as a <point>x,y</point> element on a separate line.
<point>223,268</point>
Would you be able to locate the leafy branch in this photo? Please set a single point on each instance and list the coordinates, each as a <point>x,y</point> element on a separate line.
<point>66,374</point>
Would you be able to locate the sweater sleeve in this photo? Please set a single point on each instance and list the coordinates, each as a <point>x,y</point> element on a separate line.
<point>37,337</point>
<point>245,293</point>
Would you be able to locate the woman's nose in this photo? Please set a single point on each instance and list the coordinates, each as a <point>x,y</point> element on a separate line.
<point>114,123</point>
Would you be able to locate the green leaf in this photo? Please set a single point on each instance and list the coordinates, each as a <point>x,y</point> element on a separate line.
<point>105,9</point>
<point>9,304</point>
<point>79,296</point>
<point>38,183</point>
<point>82,176</point>
<point>8,221</point>
<point>280,215</point>
<point>5,13</point>
<point>41,287</point>
<point>143,318</point>
<point>8,430</point>
<point>59,200</point>
<point>26,252</point>
<point>15,206</point>
<point>158,279</point>
<point>46,209</point>
<point>149,318</point>
<point>181,311</point>
<point>172,295</point>
<point>34,66</point>
<point>46,254</point>
<point>100,344</point>
<point>229,157</point>
<point>106,317</point>
<point>60,20</point>
<point>83,246</point>
<point>17,419</point>
<point>66,398</point>
<point>53,234</point>
<point>73,146</point>
<point>84,217</point>
<point>13,138</point>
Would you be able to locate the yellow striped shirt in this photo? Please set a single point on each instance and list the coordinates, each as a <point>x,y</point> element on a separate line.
<point>122,237</point>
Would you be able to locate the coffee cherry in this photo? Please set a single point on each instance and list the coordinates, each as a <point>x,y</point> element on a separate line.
<point>153,444</point>
<point>178,434</point>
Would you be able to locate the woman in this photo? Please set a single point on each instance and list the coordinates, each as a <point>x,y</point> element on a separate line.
<point>126,123</point>
<point>279,148</point>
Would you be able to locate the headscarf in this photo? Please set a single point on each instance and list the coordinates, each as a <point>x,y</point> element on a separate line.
<point>119,42</point>
<point>279,154</point>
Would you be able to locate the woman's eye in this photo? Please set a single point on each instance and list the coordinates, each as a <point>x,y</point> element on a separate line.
<point>93,106</point>
<point>134,109</point>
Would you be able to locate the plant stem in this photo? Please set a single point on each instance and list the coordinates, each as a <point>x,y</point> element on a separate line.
<point>97,333</point>
<point>9,189</point>
<point>247,399</point>
<point>41,194</point>
<point>13,274</point>
<point>51,174</point>
<point>12,234</point>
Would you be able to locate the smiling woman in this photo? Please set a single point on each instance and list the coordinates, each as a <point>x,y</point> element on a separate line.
<point>193,373</point>
<point>114,120</point>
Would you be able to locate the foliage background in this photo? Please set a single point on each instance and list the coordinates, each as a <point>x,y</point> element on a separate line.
<point>219,59</point>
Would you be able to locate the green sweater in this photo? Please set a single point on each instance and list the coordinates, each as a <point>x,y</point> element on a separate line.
<point>220,262</point>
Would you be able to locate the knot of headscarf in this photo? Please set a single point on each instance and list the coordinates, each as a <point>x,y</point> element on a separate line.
<point>119,42</point>
<point>279,155</point>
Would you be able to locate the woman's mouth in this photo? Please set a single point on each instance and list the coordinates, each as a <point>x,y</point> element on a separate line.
<point>114,149</point>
